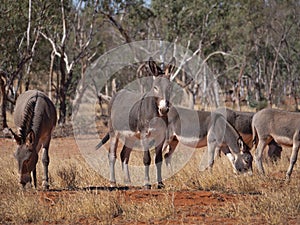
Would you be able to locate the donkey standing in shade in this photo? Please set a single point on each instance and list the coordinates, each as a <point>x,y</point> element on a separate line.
<point>198,129</point>
<point>283,127</point>
<point>35,118</point>
<point>140,116</point>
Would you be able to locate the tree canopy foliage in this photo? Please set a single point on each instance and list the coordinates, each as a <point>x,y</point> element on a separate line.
<point>49,44</point>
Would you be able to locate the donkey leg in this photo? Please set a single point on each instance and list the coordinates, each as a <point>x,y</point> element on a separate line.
<point>34,177</point>
<point>124,155</point>
<point>147,162</point>
<point>294,156</point>
<point>293,160</point>
<point>158,164</point>
<point>168,156</point>
<point>46,161</point>
<point>211,146</point>
<point>258,155</point>
<point>112,156</point>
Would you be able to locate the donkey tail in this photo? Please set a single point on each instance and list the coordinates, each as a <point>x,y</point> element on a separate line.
<point>103,141</point>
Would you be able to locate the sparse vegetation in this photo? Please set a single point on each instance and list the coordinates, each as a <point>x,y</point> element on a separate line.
<point>244,199</point>
<point>68,176</point>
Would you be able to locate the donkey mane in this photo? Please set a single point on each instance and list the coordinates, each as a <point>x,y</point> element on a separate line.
<point>28,117</point>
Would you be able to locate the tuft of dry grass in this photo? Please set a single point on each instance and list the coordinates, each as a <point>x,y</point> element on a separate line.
<point>68,176</point>
<point>256,199</point>
<point>152,209</point>
<point>66,208</point>
<point>266,199</point>
<point>271,207</point>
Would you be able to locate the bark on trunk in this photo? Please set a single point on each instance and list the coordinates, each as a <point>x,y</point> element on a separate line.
<point>3,104</point>
<point>62,92</point>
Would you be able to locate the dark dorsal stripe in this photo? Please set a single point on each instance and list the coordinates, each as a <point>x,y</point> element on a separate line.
<point>28,117</point>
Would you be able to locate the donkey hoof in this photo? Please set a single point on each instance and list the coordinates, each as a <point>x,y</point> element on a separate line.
<point>160,185</point>
<point>113,184</point>
<point>45,188</point>
<point>45,185</point>
<point>147,186</point>
<point>127,184</point>
<point>287,179</point>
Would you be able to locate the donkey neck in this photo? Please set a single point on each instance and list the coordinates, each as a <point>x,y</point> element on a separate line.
<point>142,112</point>
<point>224,131</point>
<point>231,137</point>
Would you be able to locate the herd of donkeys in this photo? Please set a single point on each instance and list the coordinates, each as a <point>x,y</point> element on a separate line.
<point>151,119</point>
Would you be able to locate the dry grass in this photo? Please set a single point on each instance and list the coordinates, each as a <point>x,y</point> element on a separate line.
<point>256,199</point>
<point>268,199</point>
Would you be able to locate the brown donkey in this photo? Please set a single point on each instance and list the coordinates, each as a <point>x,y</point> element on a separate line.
<point>35,118</point>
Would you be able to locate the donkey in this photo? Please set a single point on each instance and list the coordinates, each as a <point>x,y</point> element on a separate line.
<point>283,127</point>
<point>198,129</point>
<point>35,118</point>
<point>143,117</point>
<point>241,121</point>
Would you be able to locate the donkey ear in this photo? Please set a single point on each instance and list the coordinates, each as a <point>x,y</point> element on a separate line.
<point>17,138</point>
<point>154,68</point>
<point>30,138</point>
<point>170,68</point>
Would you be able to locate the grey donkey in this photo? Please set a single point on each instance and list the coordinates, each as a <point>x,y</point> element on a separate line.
<point>35,117</point>
<point>241,121</point>
<point>198,129</point>
<point>283,127</point>
<point>143,117</point>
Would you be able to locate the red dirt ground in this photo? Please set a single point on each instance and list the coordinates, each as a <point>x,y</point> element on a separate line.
<point>190,207</point>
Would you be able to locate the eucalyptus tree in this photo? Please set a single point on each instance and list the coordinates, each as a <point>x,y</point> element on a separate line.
<point>20,24</point>
<point>70,32</point>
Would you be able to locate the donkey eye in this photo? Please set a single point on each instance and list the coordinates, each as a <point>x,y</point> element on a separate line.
<point>156,89</point>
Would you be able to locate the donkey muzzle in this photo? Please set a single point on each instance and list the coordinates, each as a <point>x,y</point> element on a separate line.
<point>163,107</point>
<point>25,178</point>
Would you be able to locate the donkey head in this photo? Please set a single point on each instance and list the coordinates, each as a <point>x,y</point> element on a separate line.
<point>161,87</point>
<point>243,160</point>
<point>25,155</point>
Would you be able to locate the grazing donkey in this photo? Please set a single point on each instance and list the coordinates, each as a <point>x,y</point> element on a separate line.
<point>241,121</point>
<point>201,128</point>
<point>143,117</point>
<point>283,127</point>
<point>35,117</point>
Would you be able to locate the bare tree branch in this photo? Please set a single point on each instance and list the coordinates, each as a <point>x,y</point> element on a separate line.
<point>29,24</point>
<point>122,31</point>
<point>63,39</point>
<point>185,59</point>
<point>52,43</point>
